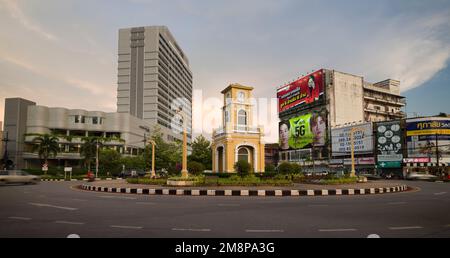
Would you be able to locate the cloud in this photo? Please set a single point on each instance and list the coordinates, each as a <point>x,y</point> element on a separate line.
<point>16,12</point>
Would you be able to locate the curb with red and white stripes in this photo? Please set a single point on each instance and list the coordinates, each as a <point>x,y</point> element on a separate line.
<point>205,192</point>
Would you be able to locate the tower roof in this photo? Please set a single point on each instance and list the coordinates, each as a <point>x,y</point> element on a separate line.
<point>236,86</point>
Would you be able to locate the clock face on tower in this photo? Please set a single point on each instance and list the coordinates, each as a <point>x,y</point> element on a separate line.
<point>241,97</point>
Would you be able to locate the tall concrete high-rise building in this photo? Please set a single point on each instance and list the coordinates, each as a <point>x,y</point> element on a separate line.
<point>1,142</point>
<point>154,79</point>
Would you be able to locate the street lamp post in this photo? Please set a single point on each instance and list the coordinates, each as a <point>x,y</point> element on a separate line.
<point>184,171</point>
<point>96,162</point>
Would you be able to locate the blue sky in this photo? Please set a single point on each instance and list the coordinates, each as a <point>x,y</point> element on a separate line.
<point>64,52</point>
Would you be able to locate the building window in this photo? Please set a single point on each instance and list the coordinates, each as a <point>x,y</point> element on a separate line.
<point>227,117</point>
<point>95,120</point>
<point>243,154</point>
<point>242,117</point>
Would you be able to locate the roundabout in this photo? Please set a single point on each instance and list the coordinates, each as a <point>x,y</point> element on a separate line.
<point>121,186</point>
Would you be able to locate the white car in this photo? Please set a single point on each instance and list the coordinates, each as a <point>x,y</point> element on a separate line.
<point>17,177</point>
<point>420,176</point>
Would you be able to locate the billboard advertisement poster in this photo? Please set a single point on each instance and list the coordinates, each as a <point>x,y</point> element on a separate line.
<point>389,142</point>
<point>304,131</point>
<point>363,139</point>
<point>305,90</point>
<point>422,135</point>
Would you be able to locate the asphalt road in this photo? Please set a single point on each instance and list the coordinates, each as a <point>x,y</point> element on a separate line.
<point>54,209</point>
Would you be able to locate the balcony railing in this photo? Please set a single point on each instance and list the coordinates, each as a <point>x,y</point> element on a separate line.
<point>398,102</point>
<point>237,129</point>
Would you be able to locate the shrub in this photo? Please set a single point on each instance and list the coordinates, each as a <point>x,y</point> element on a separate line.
<point>295,168</point>
<point>242,167</point>
<point>195,168</point>
<point>270,168</point>
<point>284,168</point>
<point>147,181</point>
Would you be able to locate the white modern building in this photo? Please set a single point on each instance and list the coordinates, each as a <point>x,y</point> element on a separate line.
<point>153,75</point>
<point>24,120</point>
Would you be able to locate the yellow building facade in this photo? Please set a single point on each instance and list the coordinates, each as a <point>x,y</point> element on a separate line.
<point>237,139</point>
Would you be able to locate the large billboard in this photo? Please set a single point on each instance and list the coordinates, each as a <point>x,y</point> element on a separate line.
<point>303,91</point>
<point>389,144</point>
<point>304,131</point>
<point>363,139</point>
<point>423,134</point>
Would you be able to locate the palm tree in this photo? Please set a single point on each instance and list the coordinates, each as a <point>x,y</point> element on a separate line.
<point>46,145</point>
<point>89,150</point>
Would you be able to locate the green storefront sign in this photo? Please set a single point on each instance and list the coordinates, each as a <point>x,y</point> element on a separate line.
<point>389,164</point>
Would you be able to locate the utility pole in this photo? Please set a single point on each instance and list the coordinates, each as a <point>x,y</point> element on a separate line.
<point>437,151</point>
<point>145,145</point>
<point>96,162</point>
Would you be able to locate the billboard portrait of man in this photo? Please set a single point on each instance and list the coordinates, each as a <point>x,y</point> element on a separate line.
<point>284,135</point>
<point>318,128</point>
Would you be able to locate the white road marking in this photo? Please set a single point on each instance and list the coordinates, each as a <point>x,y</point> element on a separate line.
<point>19,218</point>
<point>192,229</point>
<point>264,230</point>
<point>53,206</point>
<point>126,227</point>
<point>441,193</point>
<point>118,197</point>
<point>228,205</point>
<point>69,222</point>
<point>373,236</point>
<point>338,230</point>
<point>405,228</point>
<point>73,236</point>
<point>396,203</point>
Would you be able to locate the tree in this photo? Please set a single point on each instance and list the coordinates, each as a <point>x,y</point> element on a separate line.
<point>89,150</point>
<point>168,154</point>
<point>46,146</point>
<point>110,161</point>
<point>201,152</point>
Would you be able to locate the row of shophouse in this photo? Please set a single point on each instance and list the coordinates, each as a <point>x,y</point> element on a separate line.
<point>320,112</point>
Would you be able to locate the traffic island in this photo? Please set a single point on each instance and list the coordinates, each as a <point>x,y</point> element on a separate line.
<point>300,190</point>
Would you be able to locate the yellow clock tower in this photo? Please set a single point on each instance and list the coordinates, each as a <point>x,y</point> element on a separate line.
<point>237,139</point>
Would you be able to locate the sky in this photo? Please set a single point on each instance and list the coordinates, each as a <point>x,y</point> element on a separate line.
<point>64,52</point>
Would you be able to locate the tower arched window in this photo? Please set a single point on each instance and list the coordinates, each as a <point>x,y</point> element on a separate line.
<point>243,154</point>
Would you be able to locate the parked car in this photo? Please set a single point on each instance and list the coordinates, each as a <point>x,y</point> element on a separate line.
<point>421,176</point>
<point>132,173</point>
<point>17,177</point>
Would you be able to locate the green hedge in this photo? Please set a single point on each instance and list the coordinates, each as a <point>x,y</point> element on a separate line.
<point>147,181</point>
